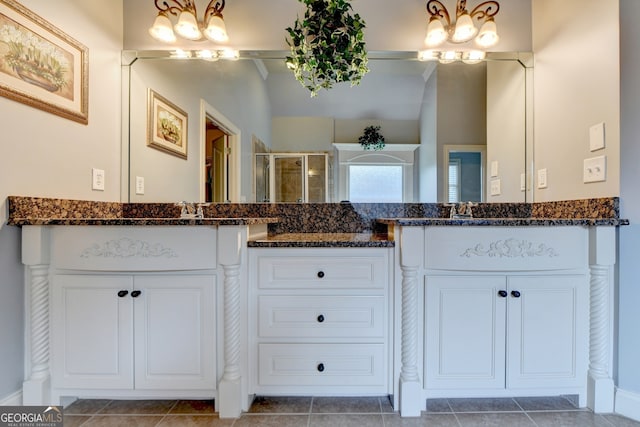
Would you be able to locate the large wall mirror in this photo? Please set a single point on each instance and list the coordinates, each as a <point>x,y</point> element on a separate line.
<point>447,111</point>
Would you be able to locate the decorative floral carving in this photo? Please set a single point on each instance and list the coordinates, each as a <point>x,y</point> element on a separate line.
<point>127,248</point>
<point>511,248</point>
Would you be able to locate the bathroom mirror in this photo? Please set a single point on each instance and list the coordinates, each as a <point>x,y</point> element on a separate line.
<point>256,102</point>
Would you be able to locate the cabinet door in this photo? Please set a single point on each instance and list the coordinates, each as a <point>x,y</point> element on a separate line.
<point>464,332</point>
<point>175,332</point>
<point>547,333</point>
<point>91,332</point>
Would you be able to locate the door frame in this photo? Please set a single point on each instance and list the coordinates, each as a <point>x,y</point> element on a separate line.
<point>234,134</point>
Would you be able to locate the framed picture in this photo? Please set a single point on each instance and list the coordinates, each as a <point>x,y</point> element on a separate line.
<point>41,66</point>
<point>166,125</point>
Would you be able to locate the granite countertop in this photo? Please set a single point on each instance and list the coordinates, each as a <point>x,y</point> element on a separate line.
<point>323,240</point>
<point>141,221</point>
<point>504,222</point>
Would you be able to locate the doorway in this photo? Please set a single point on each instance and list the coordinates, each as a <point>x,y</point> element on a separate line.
<point>464,173</point>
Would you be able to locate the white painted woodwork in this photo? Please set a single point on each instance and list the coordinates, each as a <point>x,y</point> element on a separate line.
<point>351,341</point>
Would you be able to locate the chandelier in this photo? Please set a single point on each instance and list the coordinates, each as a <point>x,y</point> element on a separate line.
<point>212,25</point>
<point>441,28</point>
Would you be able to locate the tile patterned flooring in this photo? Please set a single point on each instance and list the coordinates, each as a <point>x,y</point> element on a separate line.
<point>341,412</point>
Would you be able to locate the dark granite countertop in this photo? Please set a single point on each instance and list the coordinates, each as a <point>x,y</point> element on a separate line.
<point>141,221</point>
<point>323,240</point>
<point>503,222</point>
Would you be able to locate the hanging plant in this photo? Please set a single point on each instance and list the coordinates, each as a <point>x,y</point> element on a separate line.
<point>327,46</point>
<point>371,139</point>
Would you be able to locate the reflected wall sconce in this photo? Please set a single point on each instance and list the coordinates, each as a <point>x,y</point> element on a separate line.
<point>449,56</point>
<point>211,27</point>
<point>206,54</point>
<point>441,28</point>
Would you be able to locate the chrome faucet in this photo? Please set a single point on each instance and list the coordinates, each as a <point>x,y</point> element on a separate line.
<point>462,210</point>
<point>191,210</point>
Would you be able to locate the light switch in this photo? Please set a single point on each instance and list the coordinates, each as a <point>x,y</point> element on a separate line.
<point>494,169</point>
<point>595,169</point>
<point>97,182</point>
<point>139,185</point>
<point>523,182</point>
<point>596,137</point>
<point>495,187</point>
<point>542,178</point>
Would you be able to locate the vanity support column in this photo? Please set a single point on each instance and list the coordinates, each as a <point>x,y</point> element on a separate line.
<point>411,252</point>
<point>35,256</point>
<point>602,258</point>
<point>230,387</point>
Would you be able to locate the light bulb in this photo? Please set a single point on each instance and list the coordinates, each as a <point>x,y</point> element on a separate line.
<point>473,56</point>
<point>216,30</point>
<point>436,34</point>
<point>488,35</point>
<point>465,30</point>
<point>187,26</point>
<point>162,29</point>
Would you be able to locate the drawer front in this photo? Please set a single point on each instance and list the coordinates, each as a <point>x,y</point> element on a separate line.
<point>321,316</point>
<point>322,272</point>
<point>506,248</point>
<point>321,364</point>
<point>125,248</point>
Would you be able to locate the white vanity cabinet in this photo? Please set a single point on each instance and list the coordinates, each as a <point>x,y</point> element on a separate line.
<point>319,321</point>
<point>505,332</point>
<point>133,332</point>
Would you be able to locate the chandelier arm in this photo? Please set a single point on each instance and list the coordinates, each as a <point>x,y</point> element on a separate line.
<point>165,7</point>
<point>485,10</point>
<point>435,8</point>
<point>214,9</point>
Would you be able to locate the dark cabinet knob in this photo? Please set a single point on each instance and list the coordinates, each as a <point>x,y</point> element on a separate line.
<point>135,294</point>
<point>320,318</point>
<point>515,294</point>
<point>503,294</point>
<point>320,367</point>
<point>320,274</point>
<point>123,293</point>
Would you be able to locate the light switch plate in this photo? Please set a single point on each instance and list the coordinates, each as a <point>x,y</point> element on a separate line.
<point>139,185</point>
<point>495,187</point>
<point>595,169</point>
<point>97,179</point>
<point>596,137</point>
<point>542,178</point>
<point>494,169</point>
<point>523,182</point>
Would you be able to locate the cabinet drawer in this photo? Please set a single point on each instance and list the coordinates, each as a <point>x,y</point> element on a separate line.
<point>321,316</point>
<point>321,364</point>
<point>506,248</point>
<point>322,272</point>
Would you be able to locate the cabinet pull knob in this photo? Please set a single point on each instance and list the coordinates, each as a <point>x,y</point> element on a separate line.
<point>122,293</point>
<point>320,367</point>
<point>135,294</point>
<point>321,318</point>
<point>320,274</point>
<point>503,294</point>
<point>515,294</point>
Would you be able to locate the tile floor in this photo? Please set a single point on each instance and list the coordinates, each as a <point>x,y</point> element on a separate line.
<point>340,412</point>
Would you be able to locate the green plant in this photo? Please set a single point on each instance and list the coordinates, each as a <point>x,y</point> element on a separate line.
<point>327,46</point>
<point>372,139</point>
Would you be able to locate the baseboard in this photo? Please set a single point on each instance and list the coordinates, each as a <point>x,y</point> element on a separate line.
<point>628,404</point>
<point>14,399</point>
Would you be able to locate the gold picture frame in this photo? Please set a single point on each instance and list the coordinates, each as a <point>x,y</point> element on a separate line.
<point>166,125</point>
<point>41,66</point>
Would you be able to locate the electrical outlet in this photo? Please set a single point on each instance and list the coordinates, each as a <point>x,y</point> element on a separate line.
<point>139,185</point>
<point>542,178</point>
<point>595,169</point>
<point>495,187</point>
<point>97,182</point>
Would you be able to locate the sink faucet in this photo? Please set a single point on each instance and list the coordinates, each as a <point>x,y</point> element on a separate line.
<point>462,210</point>
<point>191,210</point>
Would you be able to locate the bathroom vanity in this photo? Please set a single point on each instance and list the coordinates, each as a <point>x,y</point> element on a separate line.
<point>414,307</point>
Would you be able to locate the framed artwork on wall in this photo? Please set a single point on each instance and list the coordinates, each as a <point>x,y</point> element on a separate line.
<point>166,125</point>
<point>41,66</point>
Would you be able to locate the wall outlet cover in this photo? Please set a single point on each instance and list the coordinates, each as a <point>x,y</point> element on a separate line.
<point>495,187</point>
<point>596,137</point>
<point>97,179</point>
<point>139,185</point>
<point>542,178</point>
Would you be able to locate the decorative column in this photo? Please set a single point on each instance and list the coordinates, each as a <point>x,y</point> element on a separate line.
<point>602,258</point>
<point>229,401</point>
<point>411,252</point>
<point>36,389</point>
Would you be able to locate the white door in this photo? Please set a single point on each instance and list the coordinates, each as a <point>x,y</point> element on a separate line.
<point>175,332</point>
<point>91,331</point>
<point>465,332</point>
<point>547,338</point>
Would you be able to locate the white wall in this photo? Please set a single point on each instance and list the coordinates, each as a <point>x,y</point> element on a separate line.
<point>45,155</point>
<point>240,97</point>
<point>629,268</point>
<point>576,85</point>
<point>427,169</point>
